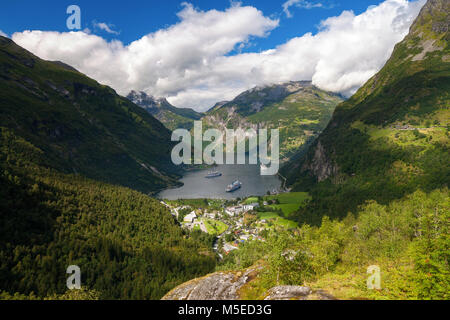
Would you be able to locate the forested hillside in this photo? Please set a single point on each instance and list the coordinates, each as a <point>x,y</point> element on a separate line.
<point>392,137</point>
<point>408,240</point>
<point>60,130</point>
<point>81,126</point>
<point>127,245</point>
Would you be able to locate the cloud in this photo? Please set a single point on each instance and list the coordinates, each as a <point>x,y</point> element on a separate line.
<point>105,27</point>
<point>303,4</point>
<point>3,34</point>
<point>190,62</point>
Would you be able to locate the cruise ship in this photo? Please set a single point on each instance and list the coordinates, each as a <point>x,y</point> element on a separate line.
<point>213,174</point>
<point>234,186</point>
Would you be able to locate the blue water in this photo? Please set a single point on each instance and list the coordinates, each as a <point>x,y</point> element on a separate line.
<point>197,186</point>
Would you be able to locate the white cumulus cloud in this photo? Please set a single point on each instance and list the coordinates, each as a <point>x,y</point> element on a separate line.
<point>105,27</point>
<point>304,4</point>
<point>190,62</point>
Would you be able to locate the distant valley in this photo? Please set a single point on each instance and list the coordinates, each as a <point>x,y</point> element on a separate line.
<point>297,108</point>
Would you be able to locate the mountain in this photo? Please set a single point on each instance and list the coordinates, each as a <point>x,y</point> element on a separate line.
<point>62,137</point>
<point>299,109</point>
<point>218,105</point>
<point>80,125</point>
<point>172,117</point>
<point>392,137</point>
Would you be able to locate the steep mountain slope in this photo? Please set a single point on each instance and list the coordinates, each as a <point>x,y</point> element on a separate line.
<point>392,137</point>
<point>298,109</point>
<point>80,125</point>
<point>58,127</point>
<point>126,244</point>
<point>217,106</point>
<point>172,117</point>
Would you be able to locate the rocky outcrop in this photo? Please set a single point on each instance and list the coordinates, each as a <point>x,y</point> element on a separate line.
<point>297,293</point>
<point>439,9</point>
<point>151,104</point>
<point>288,293</point>
<point>321,166</point>
<point>217,286</point>
<point>227,286</point>
<point>171,116</point>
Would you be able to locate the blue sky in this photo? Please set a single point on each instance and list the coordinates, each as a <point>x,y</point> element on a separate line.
<point>136,18</point>
<point>199,52</point>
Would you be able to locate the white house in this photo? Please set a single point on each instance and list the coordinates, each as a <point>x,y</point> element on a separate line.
<point>210,215</point>
<point>244,237</point>
<point>190,218</point>
<point>228,247</point>
<point>232,211</point>
<point>251,206</point>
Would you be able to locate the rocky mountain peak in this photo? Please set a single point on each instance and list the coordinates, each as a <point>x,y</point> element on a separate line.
<point>272,91</point>
<point>145,100</point>
<point>435,15</point>
<point>171,116</point>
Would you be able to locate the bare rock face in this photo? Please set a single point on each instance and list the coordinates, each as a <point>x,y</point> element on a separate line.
<point>226,286</point>
<point>288,293</point>
<point>297,293</point>
<point>439,10</point>
<point>217,286</point>
<point>320,165</point>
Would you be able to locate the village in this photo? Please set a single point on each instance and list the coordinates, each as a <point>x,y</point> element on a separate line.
<point>228,224</point>
<point>233,223</point>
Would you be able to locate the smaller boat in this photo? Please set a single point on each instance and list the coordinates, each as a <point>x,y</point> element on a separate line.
<point>213,174</point>
<point>234,186</point>
<point>263,169</point>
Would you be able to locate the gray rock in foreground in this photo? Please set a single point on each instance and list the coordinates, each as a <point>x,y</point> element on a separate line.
<point>226,286</point>
<point>217,286</point>
<point>288,292</point>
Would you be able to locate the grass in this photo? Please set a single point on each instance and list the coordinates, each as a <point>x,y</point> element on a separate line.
<point>251,200</point>
<point>253,289</point>
<point>345,283</point>
<point>275,218</point>
<point>215,227</point>
<point>351,284</point>
<point>290,197</point>
<point>289,202</point>
<point>287,208</point>
<point>289,224</point>
<point>267,215</point>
